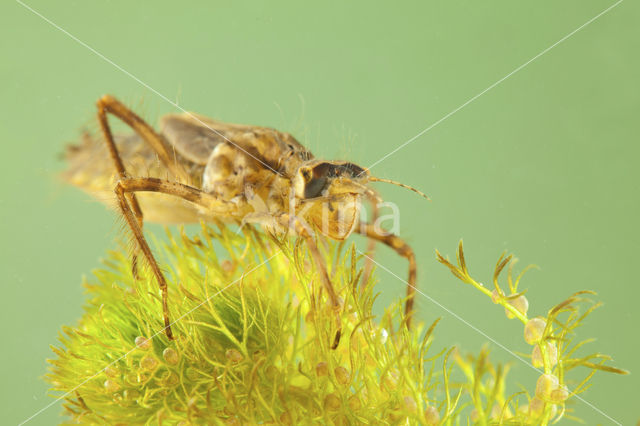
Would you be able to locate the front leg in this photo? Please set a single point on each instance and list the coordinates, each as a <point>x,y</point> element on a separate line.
<point>286,221</point>
<point>404,250</point>
<point>371,246</point>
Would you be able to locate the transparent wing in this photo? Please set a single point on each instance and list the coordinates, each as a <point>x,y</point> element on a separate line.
<point>195,136</point>
<point>90,169</point>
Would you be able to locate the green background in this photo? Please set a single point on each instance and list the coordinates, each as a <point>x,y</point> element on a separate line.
<point>544,164</point>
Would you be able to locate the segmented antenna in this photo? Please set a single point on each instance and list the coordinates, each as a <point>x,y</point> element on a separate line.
<point>393,182</point>
<point>367,191</point>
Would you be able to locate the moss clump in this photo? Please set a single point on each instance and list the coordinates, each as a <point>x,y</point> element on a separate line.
<point>253,333</point>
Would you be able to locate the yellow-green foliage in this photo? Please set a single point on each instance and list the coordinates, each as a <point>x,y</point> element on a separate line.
<point>253,333</point>
<point>553,349</point>
<point>250,348</point>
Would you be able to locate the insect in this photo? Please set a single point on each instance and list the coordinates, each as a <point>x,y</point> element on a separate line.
<point>196,168</point>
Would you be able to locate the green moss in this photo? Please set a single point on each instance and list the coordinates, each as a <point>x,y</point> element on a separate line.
<point>253,332</point>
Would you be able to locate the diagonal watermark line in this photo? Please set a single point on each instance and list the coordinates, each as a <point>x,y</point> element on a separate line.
<point>154,335</point>
<point>163,97</point>
<point>494,84</point>
<point>476,329</point>
<point>106,59</point>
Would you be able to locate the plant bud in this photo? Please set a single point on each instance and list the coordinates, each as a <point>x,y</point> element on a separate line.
<point>536,407</point>
<point>354,403</point>
<point>342,375</point>
<point>390,379</point>
<point>170,356</point>
<point>520,303</point>
<point>410,404</point>
<point>432,416</point>
<point>143,343</point>
<point>226,265</point>
<point>559,395</point>
<point>545,385</point>
<point>332,402</point>
<point>111,372</point>
<point>171,379</point>
<point>111,386</point>
<point>552,353</point>
<point>234,356</point>
<point>148,363</point>
<point>533,330</point>
<point>322,369</point>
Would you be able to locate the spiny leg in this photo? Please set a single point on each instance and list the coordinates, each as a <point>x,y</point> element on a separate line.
<point>404,250</point>
<point>128,213</point>
<point>109,105</point>
<point>301,230</point>
<point>371,245</point>
<point>129,186</point>
<point>333,297</point>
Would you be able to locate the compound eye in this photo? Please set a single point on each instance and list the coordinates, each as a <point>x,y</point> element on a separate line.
<point>354,170</point>
<point>314,187</point>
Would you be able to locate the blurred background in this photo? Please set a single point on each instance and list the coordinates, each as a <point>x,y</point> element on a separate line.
<point>543,165</point>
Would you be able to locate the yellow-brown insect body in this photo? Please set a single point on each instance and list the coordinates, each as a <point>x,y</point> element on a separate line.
<point>272,166</point>
<point>212,163</point>
<point>196,169</point>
